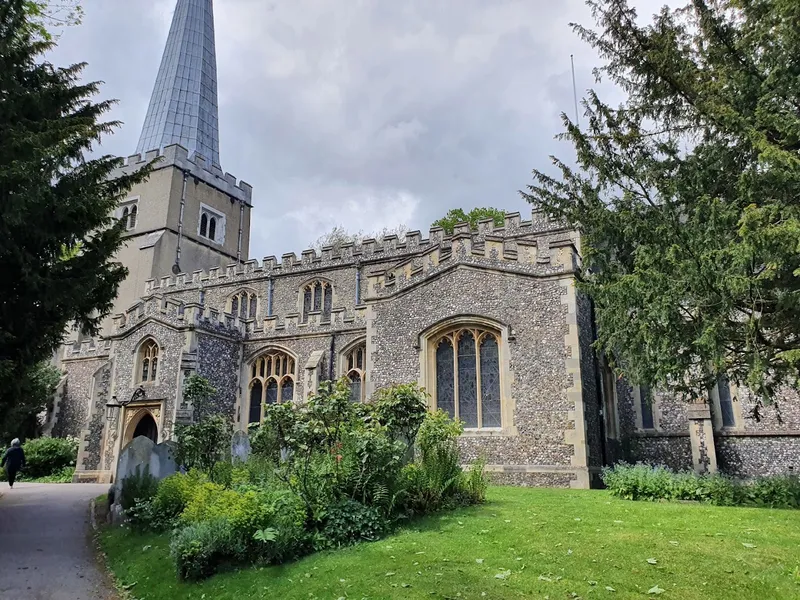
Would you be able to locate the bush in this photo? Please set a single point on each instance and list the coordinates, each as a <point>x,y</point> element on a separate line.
<point>47,456</point>
<point>402,409</point>
<point>139,486</point>
<point>474,483</point>
<point>643,482</point>
<point>349,522</point>
<point>199,549</point>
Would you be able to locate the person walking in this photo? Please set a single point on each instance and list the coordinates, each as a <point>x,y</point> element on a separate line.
<point>13,460</point>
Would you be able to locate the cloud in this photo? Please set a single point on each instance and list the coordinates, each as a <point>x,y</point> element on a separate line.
<point>358,113</point>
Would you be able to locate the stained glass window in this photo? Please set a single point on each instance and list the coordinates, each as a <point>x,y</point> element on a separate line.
<point>445,383</point>
<point>287,390</point>
<point>646,401</point>
<point>726,402</point>
<point>306,303</point>
<point>490,383</point>
<point>318,296</point>
<point>272,391</point>
<point>255,402</point>
<point>467,380</point>
<point>327,304</point>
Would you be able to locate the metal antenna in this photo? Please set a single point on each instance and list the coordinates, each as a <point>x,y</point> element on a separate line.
<point>574,91</point>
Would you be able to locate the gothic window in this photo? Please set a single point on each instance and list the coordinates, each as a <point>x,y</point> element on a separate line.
<point>646,402</point>
<point>317,297</point>
<point>723,398</point>
<point>212,224</point>
<point>132,217</point>
<point>125,215</point>
<point>355,369</point>
<point>466,365</point>
<point>243,304</point>
<point>128,215</point>
<point>148,361</point>
<point>271,381</point>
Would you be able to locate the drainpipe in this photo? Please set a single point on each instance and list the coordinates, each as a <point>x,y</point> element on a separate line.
<point>358,286</point>
<point>177,268</point>
<point>331,371</point>
<point>239,243</point>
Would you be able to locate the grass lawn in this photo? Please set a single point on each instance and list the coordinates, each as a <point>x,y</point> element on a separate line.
<point>523,543</point>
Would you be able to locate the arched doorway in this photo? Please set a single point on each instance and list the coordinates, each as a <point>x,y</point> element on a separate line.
<point>146,427</point>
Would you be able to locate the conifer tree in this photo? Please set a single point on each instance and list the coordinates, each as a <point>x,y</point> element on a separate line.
<point>455,216</point>
<point>687,195</point>
<point>57,233</point>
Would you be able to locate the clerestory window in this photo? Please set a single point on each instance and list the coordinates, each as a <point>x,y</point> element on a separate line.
<point>317,297</point>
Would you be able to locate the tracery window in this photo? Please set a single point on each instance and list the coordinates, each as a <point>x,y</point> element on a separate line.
<point>148,361</point>
<point>355,369</point>
<point>243,304</point>
<point>271,381</point>
<point>317,297</point>
<point>467,376</point>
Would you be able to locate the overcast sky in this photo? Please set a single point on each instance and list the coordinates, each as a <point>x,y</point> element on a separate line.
<point>360,113</point>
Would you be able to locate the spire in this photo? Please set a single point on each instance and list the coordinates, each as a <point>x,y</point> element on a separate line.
<point>183,107</point>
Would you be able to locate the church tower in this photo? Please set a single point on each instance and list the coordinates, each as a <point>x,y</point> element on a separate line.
<point>189,215</point>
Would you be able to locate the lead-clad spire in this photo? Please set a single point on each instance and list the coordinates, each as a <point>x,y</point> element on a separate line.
<point>183,107</point>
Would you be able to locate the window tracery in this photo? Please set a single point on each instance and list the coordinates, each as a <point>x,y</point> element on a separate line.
<point>243,304</point>
<point>355,369</point>
<point>272,380</point>
<point>317,297</point>
<point>148,361</point>
<point>467,376</point>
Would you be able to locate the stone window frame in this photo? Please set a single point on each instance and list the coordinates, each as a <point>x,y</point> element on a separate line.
<point>608,379</point>
<point>346,368</point>
<point>254,373</point>
<point>211,214</point>
<point>736,405</point>
<point>248,294</point>
<point>310,286</point>
<point>141,356</point>
<point>128,212</point>
<point>637,407</point>
<point>427,355</point>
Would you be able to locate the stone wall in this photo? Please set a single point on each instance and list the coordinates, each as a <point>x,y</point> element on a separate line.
<point>74,406</point>
<point>218,358</point>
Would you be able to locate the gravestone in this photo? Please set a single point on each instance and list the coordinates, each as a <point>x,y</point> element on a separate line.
<point>240,446</point>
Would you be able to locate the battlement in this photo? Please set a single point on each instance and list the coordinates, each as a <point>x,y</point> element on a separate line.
<point>196,165</point>
<point>91,348</point>
<point>513,232</point>
<point>179,314</point>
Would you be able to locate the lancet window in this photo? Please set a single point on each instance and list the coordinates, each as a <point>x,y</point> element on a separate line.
<point>317,297</point>
<point>272,379</point>
<point>355,367</point>
<point>243,304</point>
<point>466,364</point>
<point>148,361</point>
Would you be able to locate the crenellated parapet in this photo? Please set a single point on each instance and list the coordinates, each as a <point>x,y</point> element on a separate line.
<point>91,348</point>
<point>179,315</point>
<point>195,165</point>
<point>488,240</point>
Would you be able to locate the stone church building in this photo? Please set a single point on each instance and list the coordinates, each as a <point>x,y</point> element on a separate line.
<point>488,321</point>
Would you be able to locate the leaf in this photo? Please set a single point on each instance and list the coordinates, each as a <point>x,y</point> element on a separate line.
<point>543,578</point>
<point>748,545</point>
<point>503,574</point>
<point>655,590</point>
<point>673,542</point>
<point>390,573</point>
<point>610,589</point>
<point>652,561</point>
<point>479,561</point>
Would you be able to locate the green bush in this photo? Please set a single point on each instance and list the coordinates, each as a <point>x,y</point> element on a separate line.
<point>199,549</point>
<point>475,482</point>
<point>349,522</point>
<point>139,486</point>
<point>643,482</point>
<point>47,456</point>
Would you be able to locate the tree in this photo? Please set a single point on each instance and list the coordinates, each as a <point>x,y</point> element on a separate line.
<point>339,235</point>
<point>686,195</point>
<point>455,216</point>
<point>35,394</point>
<point>57,233</point>
<point>46,15</point>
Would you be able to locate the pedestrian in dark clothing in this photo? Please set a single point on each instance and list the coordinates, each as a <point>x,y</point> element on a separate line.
<point>14,460</point>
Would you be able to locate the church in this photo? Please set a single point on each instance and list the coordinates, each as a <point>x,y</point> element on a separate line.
<point>488,321</point>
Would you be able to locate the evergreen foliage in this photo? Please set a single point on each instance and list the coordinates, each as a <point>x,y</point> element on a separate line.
<point>686,195</point>
<point>455,216</point>
<point>57,233</point>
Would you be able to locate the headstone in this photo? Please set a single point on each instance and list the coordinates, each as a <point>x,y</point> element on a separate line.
<point>136,455</point>
<point>240,446</point>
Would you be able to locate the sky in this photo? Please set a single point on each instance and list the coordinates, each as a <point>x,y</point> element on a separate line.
<point>361,113</point>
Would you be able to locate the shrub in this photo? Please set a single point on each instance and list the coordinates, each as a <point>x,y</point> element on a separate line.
<point>202,445</point>
<point>349,522</point>
<point>401,409</point>
<point>47,456</point>
<point>474,483</point>
<point>138,486</point>
<point>199,549</point>
<point>780,491</point>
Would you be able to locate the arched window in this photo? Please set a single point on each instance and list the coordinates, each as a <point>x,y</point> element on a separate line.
<point>271,380</point>
<point>317,297</point>
<point>132,217</point>
<point>204,225</point>
<point>355,369</point>
<point>244,304</point>
<point>148,361</point>
<point>125,213</point>
<point>466,376</point>
<point>212,228</point>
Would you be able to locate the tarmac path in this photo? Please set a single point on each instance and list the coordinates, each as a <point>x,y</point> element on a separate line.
<point>45,551</point>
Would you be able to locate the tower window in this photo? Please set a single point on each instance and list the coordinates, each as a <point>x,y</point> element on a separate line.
<point>128,213</point>
<point>211,225</point>
<point>148,361</point>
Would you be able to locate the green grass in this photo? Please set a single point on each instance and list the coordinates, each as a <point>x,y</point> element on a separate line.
<point>522,543</point>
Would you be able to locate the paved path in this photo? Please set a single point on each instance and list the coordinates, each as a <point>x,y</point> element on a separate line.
<point>45,551</point>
